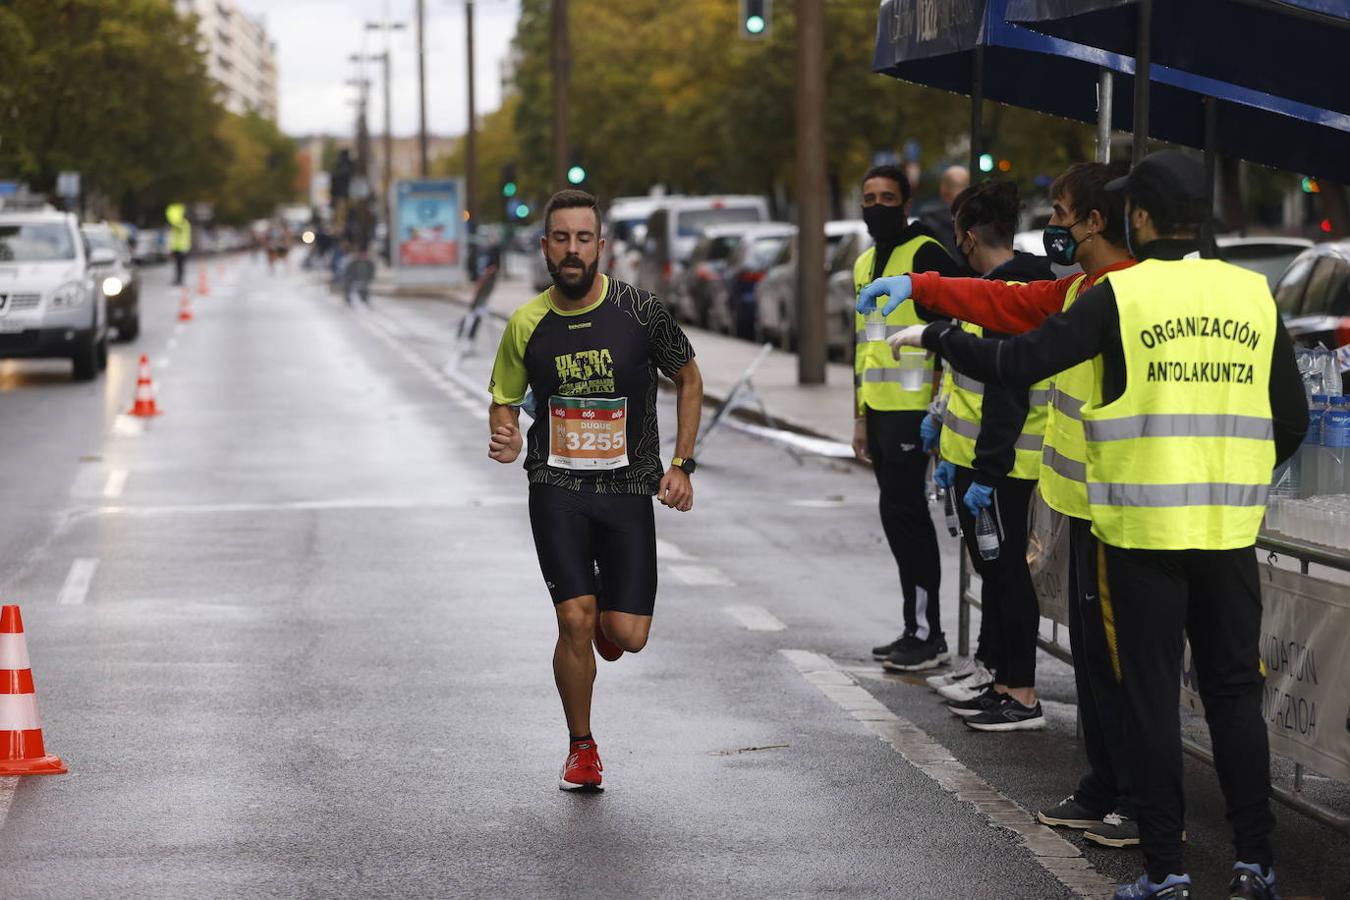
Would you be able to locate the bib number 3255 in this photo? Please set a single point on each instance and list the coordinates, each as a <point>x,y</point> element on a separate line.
<point>588,433</point>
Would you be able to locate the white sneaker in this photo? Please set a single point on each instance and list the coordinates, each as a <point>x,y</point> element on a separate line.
<point>960,672</point>
<point>970,687</point>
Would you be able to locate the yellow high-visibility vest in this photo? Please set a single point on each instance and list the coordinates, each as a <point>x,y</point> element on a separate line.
<point>965,412</point>
<point>876,374</point>
<point>1182,459</point>
<point>1064,456</point>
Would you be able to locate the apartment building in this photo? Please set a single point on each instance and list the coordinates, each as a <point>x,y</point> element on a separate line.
<point>240,56</point>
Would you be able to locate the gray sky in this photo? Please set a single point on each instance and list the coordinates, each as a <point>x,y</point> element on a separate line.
<point>314,39</point>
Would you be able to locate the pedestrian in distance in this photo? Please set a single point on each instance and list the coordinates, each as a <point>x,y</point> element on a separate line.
<point>589,349</point>
<point>938,220</point>
<point>990,445</point>
<point>1086,228</point>
<point>887,415</point>
<point>1200,398</point>
<point>180,239</point>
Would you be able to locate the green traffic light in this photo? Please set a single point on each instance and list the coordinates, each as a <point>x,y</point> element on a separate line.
<point>986,162</point>
<point>509,189</point>
<point>522,211</point>
<point>576,175</point>
<point>755,24</point>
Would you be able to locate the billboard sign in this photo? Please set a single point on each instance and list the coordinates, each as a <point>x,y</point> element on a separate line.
<point>430,218</point>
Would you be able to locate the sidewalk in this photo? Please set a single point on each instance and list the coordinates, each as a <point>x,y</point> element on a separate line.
<point>823,411</point>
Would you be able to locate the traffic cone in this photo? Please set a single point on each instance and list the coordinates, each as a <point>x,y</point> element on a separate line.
<point>145,392</point>
<point>21,750</point>
<point>202,289</point>
<point>185,307</point>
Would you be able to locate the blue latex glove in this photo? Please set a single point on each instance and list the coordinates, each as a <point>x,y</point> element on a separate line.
<point>897,287</point>
<point>944,476</point>
<point>978,496</point>
<point>930,429</point>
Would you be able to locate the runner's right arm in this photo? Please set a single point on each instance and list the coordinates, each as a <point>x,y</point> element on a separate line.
<point>996,305</point>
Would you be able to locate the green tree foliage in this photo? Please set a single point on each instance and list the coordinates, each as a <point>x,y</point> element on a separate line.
<point>670,93</point>
<point>118,90</point>
<point>260,169</point>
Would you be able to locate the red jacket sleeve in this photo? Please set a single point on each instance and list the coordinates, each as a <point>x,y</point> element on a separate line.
<point>996,305</point>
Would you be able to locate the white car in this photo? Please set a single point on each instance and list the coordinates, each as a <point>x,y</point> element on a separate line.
<point>674,228</point>
<point>49,303</point>
<point>777,307</point>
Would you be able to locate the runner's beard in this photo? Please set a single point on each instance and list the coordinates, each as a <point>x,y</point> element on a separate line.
<point>577,289</point>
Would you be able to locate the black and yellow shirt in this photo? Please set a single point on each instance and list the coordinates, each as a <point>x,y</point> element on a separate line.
<point>593,374</point>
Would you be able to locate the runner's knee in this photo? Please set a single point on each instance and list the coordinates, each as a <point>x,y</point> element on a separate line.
<point>576,620</point>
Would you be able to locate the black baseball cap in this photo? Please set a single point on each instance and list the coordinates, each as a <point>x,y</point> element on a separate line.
<point>1170,184</point>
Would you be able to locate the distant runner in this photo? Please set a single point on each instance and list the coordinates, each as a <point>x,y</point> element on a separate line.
<point>589,348</point>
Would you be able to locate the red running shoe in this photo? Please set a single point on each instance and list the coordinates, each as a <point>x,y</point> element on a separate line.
<point>583,768</point>
<point>608,650</point>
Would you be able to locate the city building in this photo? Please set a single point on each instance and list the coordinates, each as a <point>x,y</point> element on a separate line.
<point>239,55</point>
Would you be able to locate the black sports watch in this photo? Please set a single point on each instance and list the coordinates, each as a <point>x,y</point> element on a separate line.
<point>686,463</point>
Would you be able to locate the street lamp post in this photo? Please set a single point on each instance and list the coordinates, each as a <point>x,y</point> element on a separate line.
<point>388,174</point>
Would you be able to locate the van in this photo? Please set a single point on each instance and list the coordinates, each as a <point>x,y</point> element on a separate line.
<point>674,227</point>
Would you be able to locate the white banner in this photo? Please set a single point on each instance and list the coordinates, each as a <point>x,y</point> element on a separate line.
<point>1306,701</point>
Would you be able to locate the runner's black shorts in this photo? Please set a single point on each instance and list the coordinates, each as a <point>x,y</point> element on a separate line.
<point>575,533</point>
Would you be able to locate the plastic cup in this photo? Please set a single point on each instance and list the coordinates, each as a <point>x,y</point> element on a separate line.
<point>913,368</point>
<point>874,326</point>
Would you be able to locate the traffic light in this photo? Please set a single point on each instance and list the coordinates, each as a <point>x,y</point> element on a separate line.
<point>576,174</point>
<point>986,162</point>
<point>522,211</point>
<point>509,186</point>
<point>1310,186</point>
<point>756,18</point>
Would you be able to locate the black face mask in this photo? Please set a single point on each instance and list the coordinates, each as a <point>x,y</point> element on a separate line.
<point>573,290</point>
<point>885,223</point>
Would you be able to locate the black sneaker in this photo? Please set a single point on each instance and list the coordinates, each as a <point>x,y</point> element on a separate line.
<point>1250,883</point>
<point>1114,830</point>
<point>1008,715</point>
<point>886,650</point>
<point>1069,813</point>
<point>918,655</point>
<point>983,703</point>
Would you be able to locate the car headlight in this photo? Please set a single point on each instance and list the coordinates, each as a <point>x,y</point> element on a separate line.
<point>72,294</point>
<point>112,286</point>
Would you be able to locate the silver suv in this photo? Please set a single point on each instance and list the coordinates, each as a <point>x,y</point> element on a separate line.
<point>49,303</point>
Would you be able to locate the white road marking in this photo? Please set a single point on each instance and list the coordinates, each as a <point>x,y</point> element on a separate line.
<point>163,362</point>
<point>89,482</point>
<point>117,481</point>
<point>171,344</point>
<point>1054,854</point>
<point>828,503</point>
<point>78,581</point>
<point>128,426</point>
<point>701,576</point>
<point>7,788</point>
<point>667,550</point>
<point>755,618</point>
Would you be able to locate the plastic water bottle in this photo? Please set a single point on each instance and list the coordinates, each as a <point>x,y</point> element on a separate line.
<point>986,535</point>
<point>1335,446</point>
<point>1307,460</point>
<point>953,523</point>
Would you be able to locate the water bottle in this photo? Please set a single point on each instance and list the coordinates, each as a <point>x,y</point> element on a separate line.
<point>1335,446</point>
<point>1307,459</point>
<point>953,524</point>
<point>986,535</point>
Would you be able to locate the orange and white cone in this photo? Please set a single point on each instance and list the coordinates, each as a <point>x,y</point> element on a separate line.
<point>145,405</point>
<point>201,282</point>
<point>21,750</point>
<point>185,307</point>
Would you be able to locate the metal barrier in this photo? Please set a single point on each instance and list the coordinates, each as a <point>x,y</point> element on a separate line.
<point>1306,554</point>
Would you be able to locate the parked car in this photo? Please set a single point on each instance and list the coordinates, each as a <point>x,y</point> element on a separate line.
<point>755,251</point>
<point>674,227</point>
<point>625,226</point>
<point>1268,255</point>
<point>702,284</point>
<point>841,332</point>
<point>118,280</point>
<point>777,309</point>
<point>151,246</point>
<point>1313,295</point>
<point>49,303</point>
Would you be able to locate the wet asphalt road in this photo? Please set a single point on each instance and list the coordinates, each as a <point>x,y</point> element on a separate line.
<point>313,658</point>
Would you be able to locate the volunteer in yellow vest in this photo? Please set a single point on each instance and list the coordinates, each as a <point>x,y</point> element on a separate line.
<point>1196,398</point>
<point>991,450</point>
<point>180,238</point>
<point>1086,227</point>
<point>886,420</point>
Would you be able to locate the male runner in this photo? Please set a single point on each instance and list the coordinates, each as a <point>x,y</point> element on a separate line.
<point>589,349</point>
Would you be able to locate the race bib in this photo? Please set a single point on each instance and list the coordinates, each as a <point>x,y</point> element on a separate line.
<point>588,433</point>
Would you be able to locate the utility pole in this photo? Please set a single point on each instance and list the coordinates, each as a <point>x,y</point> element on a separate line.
<point>471,153</point>
<point>811,191</point>
<point>422,87</point>
<point>387,179</point>
<point>562,65</point>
